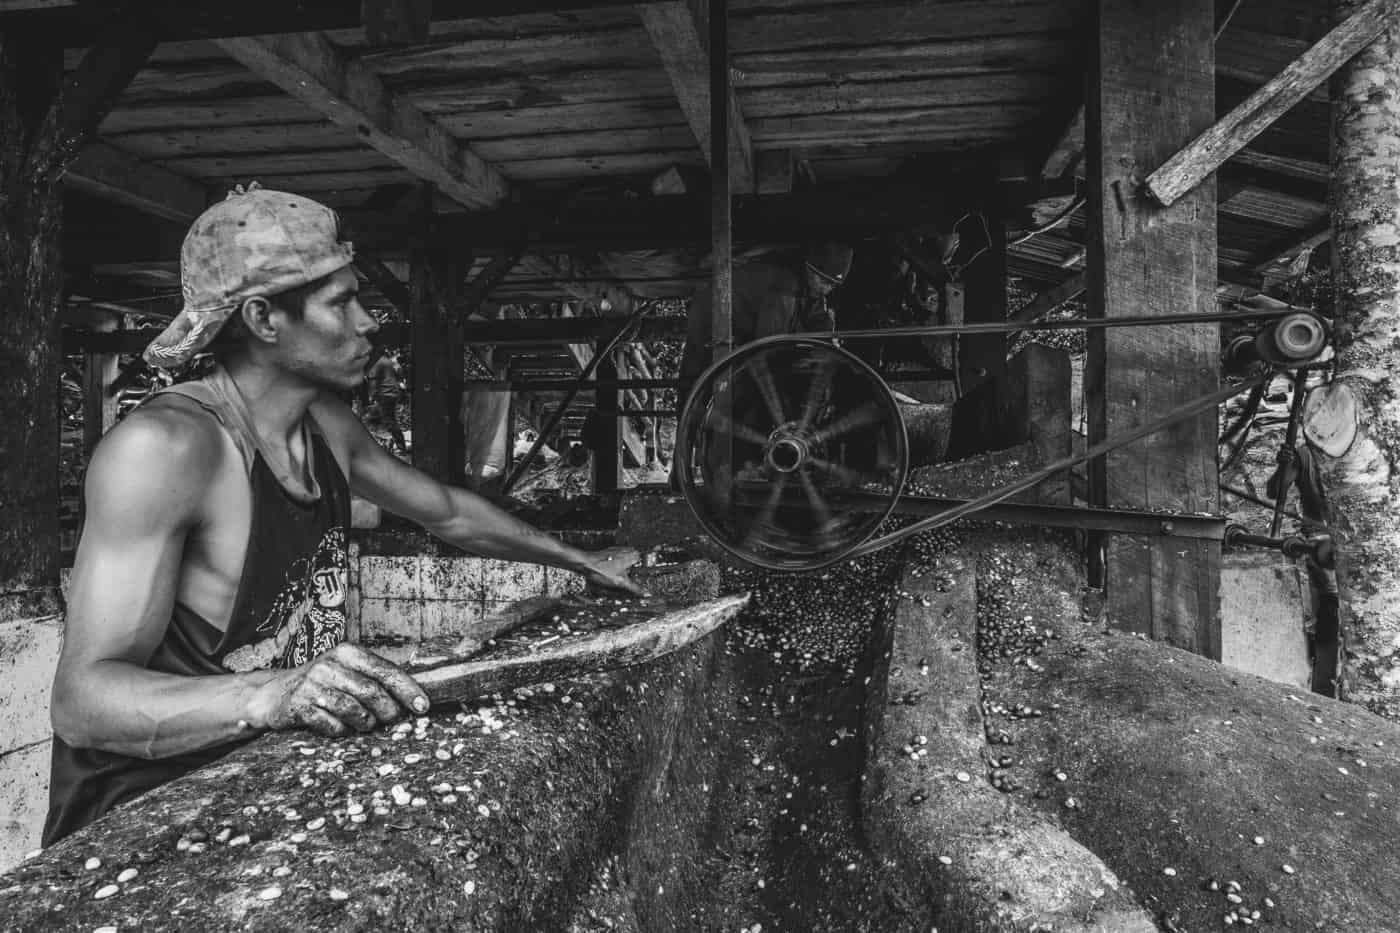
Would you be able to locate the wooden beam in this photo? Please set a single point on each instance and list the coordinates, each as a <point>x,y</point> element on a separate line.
<point>684,51</point>
<point>1310,238</point>
<point>515,332</point>
<point>480,287</point>
<point>1204,155</point>
<point>396,22</point>
<point>310,68</point>
<point>383,278</point>
<point>721,324</point>
<point>1148,259</point>
<point>1068,153</point>
<point>1052,298</point>
<point>99,407</point>
<point>106,172</point>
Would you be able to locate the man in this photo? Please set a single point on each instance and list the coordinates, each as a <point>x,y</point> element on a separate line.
<point>770,297</point>
<point>384,393</point>
<point>207,600</point>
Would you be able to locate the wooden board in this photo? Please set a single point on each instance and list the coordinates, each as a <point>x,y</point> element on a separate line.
<point>1146,260</point>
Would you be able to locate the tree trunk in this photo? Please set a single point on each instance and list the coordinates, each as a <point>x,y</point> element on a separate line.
<point>31,211</point>
<point>1360,475</point>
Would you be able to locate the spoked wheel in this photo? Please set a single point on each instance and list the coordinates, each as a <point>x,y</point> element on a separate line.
<point>773,440</point>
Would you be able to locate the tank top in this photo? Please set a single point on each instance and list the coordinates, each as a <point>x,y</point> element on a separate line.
<point>289,606</point>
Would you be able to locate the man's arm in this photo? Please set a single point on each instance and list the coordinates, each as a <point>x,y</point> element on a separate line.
<point>456,515</point>
<point>146,490</point>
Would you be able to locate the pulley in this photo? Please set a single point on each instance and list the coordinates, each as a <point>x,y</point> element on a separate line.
<point>774,435</point>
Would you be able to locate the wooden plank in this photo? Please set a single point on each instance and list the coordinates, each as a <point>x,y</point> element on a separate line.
<point>607,431</point>
<point>641,165</point>
<point>99,408</point>
<point>907,21</point>
<point>981,358</point>
<point>954,91</point>
<point>596,142</point>
<point>1146,259</point>
<point>924,122</point>
<point>1289,247</point>
<point>675,33</point>
<point>232,140</point>
<point>203,114</point>
<point>624,46</point>
<point>396,22</point>
<point>947,58</point>
<point>309,68</point>
<point>576,657</point>
<point>1184,170</point>
<point>480,121</point>
<point>1052,298</point>
<point>107,172</point>
<point>250,164</point>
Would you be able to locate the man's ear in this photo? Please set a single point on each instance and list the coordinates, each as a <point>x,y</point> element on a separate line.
<point>257,317</point>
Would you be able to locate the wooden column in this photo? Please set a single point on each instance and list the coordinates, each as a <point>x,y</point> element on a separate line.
<point>1355,420</point>
<point>99,408</point>
<point>439,445</point>
<point>31,225</point>
<point>982,357</point>
<point>607,456</point>
<point>721,215</point>
<point>1151,91</point>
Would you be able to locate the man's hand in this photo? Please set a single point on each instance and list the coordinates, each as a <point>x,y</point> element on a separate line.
<point>608,569</point>
<point>346,689</point>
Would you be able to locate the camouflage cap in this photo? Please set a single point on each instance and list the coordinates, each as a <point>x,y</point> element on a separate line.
<point>254,244</point>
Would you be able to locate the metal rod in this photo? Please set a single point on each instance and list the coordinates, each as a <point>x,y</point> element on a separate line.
<point>1006,327</point>
<point>1196,406</point>
<point>1122,521</point>
<point>562,385</point>
<point>1287,454</point>
<point>1257,500</point>
<point>558,417</point>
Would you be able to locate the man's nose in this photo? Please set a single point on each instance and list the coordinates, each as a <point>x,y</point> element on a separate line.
<point>366,325</point>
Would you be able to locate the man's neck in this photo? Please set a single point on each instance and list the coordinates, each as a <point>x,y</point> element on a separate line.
<point>277,401</point>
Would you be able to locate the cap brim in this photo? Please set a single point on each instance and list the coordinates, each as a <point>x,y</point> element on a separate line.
<point>190,332</point>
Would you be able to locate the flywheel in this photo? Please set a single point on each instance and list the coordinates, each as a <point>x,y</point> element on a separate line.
<point>773,437</point>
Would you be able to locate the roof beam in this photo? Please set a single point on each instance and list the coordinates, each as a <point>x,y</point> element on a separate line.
<point>310,68</point>
<point>679,40</point>
<point>1052,298</point>
<point>106,172</point>
<point>1204,155</point>
<point>1306,239</point>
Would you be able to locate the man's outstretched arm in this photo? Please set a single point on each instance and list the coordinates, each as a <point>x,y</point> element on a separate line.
<point>145,493</point>
<point>456,515</point>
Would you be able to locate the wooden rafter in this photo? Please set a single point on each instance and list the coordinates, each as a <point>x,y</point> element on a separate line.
<point>1204,155</point>
<point>1052,298</point>
<point>677,35</point>
<point>309,67</point>
<point>113,174</point>
<point>1307,239</point>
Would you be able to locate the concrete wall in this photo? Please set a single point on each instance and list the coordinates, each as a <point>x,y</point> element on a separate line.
<point>28,653</point>
<point>395,600</point>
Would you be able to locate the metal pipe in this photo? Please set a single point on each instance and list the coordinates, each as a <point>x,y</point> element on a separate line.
<point>1287,453</point>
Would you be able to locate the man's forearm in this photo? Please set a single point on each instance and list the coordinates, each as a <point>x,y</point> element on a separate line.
<point>483,529</point>
<point>117,706</point>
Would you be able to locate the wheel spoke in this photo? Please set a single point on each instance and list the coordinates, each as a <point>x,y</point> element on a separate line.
<point>862,417</point>
<point>818,504</point>
<point>763,378</point>
<point>816,392</point>
<point>847,475</point>
<point>766,512</point>
<point>723,424</point>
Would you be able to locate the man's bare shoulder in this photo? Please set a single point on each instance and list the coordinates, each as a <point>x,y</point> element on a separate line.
<point>163,454</point>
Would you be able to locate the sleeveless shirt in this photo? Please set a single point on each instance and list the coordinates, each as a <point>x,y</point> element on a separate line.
<point>289,606</point>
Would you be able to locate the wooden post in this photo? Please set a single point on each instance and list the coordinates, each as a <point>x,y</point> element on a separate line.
<point>44,122</point>
<point>606,456</point>
<point>439,445</point>
<point>99,408</point>
<point>721,220</point>
<point>1144,259</point>
<point>1354,419</point>
<point>982,358</point>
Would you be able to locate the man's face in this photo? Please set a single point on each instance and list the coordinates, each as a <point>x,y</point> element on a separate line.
<point>329,346</point>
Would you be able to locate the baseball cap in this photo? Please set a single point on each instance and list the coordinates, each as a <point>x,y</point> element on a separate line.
<point>254,244</point>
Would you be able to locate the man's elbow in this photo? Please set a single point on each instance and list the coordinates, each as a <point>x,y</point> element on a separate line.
<point>68,723</point>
